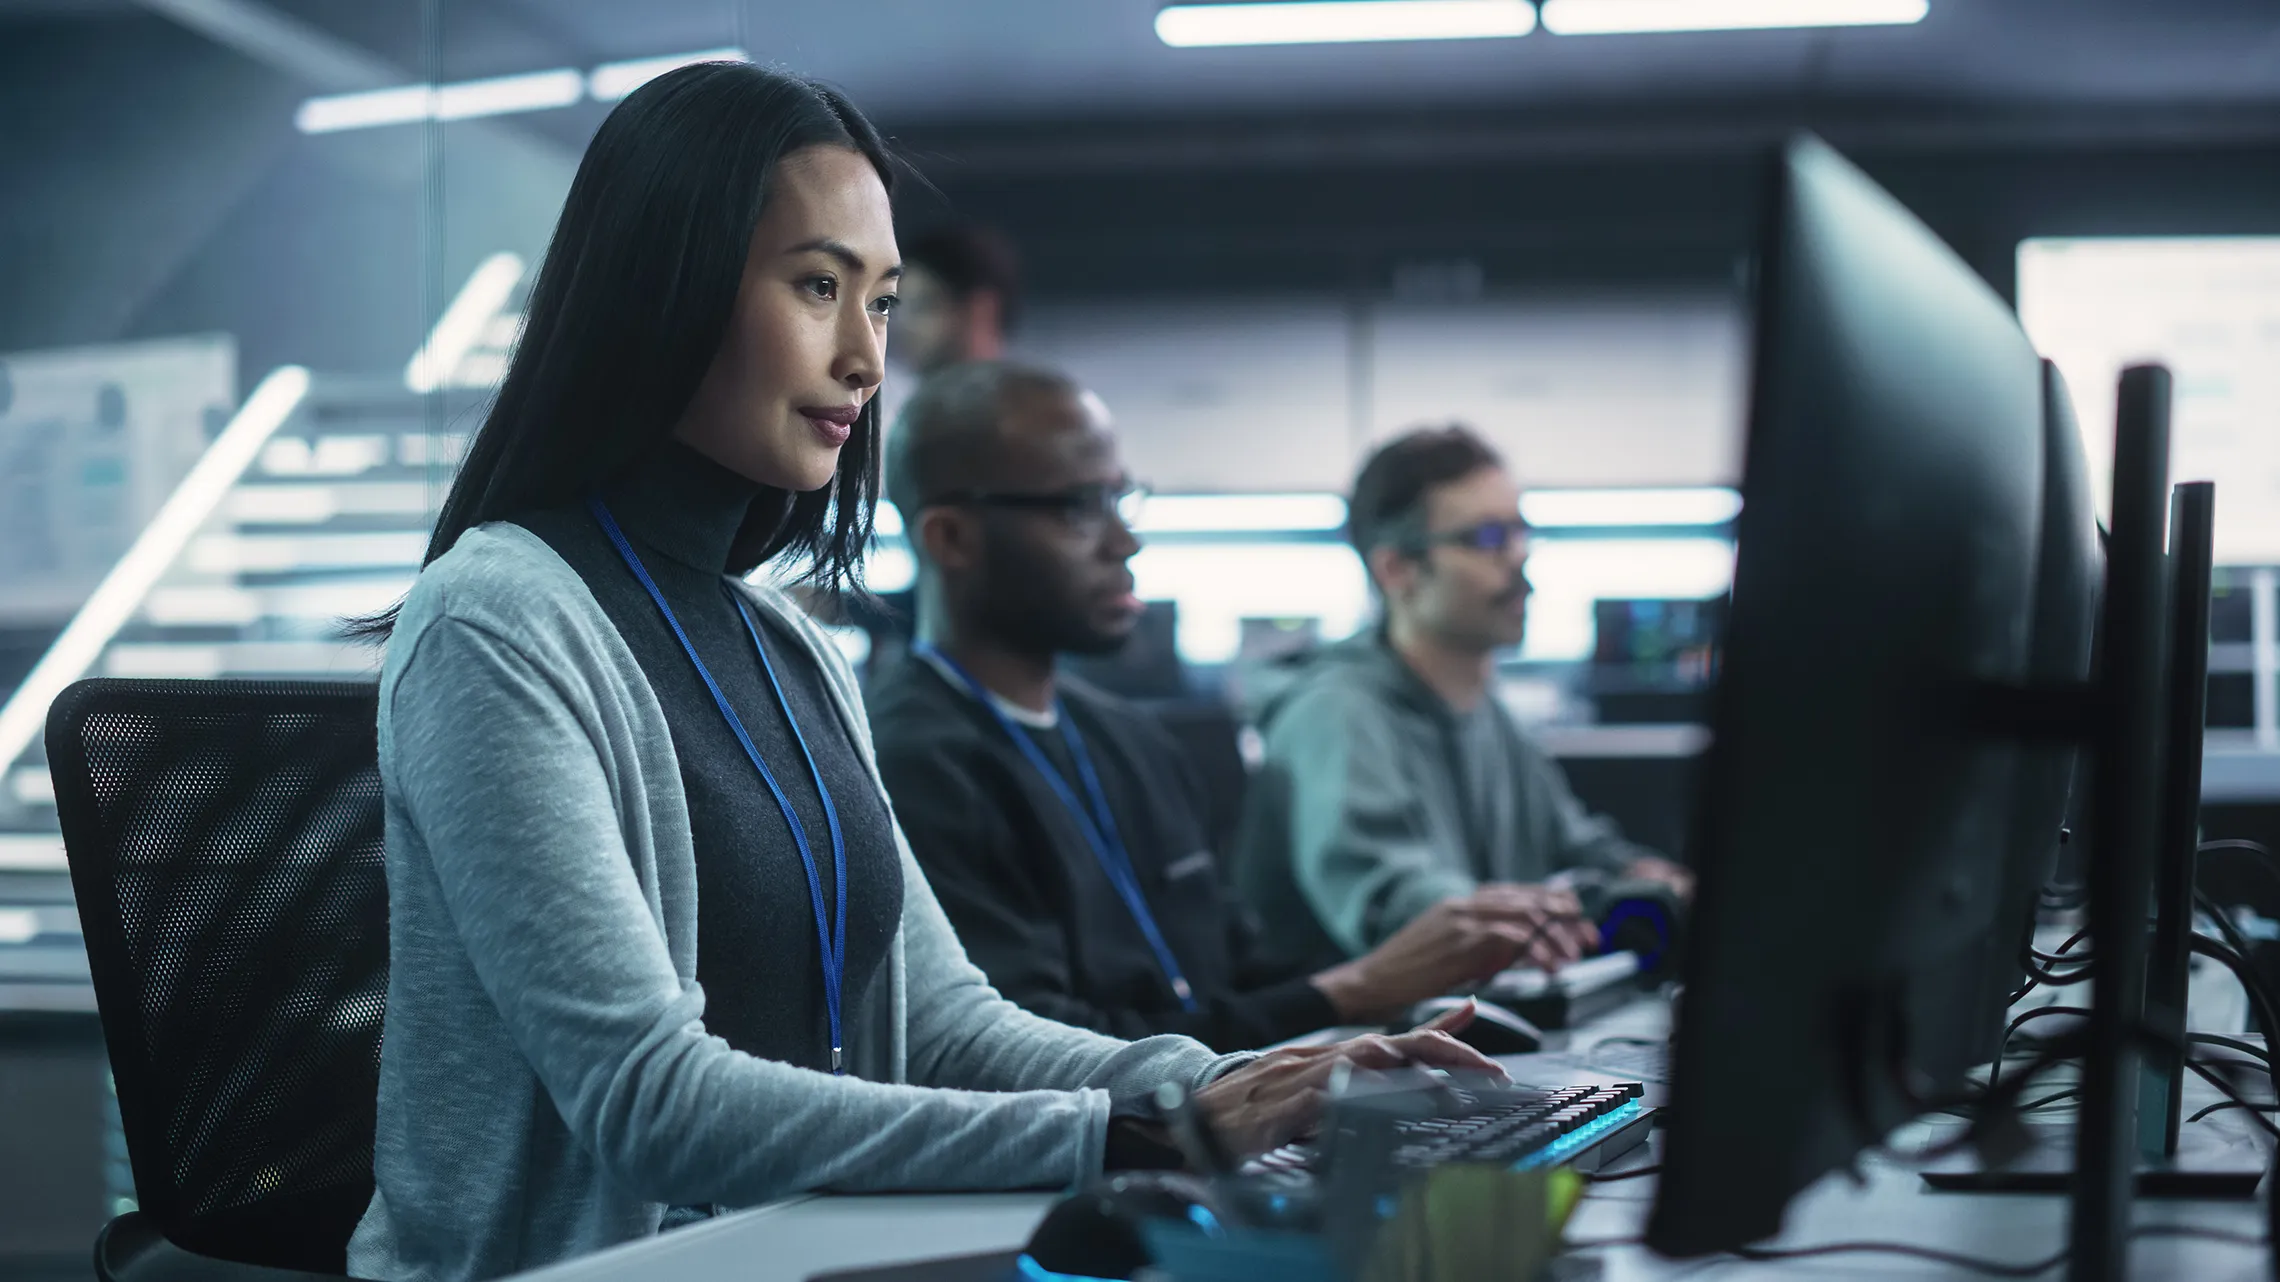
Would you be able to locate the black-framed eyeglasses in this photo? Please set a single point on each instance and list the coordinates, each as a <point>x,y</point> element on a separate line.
<point>1082,506</point>
<point>1487,536</point>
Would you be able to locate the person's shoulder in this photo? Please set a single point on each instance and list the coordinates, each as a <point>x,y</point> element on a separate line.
<point>501,579</point>
<point>899,684</point>
<point>1136,727</point>
<point>1100,704</point>
<point>1338,691</point>
<point>917,719</point>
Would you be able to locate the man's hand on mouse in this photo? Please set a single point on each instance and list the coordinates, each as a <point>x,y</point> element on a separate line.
<point>1280,1096</point>
<point>1455,942</point>
<point>1658,869</point>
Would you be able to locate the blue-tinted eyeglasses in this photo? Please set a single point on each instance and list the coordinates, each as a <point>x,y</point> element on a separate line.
<point>1488,536</point>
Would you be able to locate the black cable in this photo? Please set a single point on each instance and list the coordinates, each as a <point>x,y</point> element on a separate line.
<point>2259,997</point>
<point>2264,857</point>
<point>2060,953</point>
<point>2002,1100</point>
<point>2240,845</point>
<point>1995,1072</point>
<point>1955,1260</point>
<point>1972,1110</point>
<point>1972,1264</point>
<point>2059,956</point>
<point>2255,1052</point>
<point>2226,927</point>
<point>2039,975</point>
<point>2041,968</point>
<point>2232,1093</point>
<point>2225,1105</point>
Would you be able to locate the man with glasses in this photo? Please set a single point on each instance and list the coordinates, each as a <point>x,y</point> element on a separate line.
<point>1061,828</point>
<point>1395,780</point>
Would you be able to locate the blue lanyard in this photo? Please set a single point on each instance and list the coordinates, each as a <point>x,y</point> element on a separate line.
<point>830,938</point>
<point>1098,826</point>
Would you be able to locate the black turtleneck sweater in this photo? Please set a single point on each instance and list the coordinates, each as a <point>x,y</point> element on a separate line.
<point>756,933</point>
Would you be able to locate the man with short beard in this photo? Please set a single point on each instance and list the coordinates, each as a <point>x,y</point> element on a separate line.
<point>1395,780</point>
<point>1061,828</point>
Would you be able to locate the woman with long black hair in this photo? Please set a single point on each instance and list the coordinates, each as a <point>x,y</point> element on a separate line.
<point>614,770</point>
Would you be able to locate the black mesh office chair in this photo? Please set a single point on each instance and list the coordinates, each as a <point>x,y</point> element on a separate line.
<point>225,849</point>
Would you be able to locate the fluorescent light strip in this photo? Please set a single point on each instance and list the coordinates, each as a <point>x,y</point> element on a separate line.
<point>1552,509</point>
<point>400,105</point>
<point>1611,17</point>
<point>1204,514</point>
<point>115,598</point>
<point>463,323</point>
<point>496,96</point>
<point>614,80</point>
<point>465,100</point>
<point>1282,22</point>
<point>505,95</point>
<point>1241,513</point>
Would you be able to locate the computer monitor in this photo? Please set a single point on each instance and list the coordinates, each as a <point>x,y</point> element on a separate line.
<point>1653,659</point>
<point>2069,568</point>
<point>1855,828</point>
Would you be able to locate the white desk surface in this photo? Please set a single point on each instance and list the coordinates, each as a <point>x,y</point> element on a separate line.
<point>792,1240</point>
<point>795,1239</point>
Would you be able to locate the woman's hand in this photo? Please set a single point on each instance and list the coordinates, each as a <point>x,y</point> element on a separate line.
<point>1280,1096</point>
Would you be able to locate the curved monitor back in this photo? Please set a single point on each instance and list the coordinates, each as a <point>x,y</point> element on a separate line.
<point>1855,833</point>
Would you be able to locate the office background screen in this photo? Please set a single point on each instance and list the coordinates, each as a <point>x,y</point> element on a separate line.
<point>2209,308</point>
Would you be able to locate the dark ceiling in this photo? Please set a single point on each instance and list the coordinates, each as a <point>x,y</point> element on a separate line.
<point>1120,166</point>
<point>917,63</point>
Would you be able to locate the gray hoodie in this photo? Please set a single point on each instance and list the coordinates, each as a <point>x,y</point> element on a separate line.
<point>1377,801</point>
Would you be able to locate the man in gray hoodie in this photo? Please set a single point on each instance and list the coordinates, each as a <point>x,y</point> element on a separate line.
<point>1394,778</point>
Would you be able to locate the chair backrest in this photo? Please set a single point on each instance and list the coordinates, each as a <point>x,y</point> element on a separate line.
<point>1211,736</point>
<point>225,848</point>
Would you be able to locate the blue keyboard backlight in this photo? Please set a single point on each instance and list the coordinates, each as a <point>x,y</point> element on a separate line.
<point>1581,1138</point>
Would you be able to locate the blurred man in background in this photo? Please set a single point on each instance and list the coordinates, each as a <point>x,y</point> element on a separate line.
<point>1061,828</point>
<point>1395,779</point>
<point>961,297</point>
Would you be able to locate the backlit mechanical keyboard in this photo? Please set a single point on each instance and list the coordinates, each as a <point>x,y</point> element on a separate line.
<point>1585,1127</point>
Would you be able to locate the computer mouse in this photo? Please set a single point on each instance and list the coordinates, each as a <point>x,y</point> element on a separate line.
<point>1493,1031</point>
<point>1095,1232</point>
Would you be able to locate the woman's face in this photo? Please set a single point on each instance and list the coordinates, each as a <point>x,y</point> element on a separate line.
<point>807,345</point>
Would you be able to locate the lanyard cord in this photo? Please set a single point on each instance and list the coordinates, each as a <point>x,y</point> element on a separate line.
<point>1098,825</point>
<point>830,939</point>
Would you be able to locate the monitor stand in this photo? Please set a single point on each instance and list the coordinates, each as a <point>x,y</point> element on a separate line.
<point>2213,1162</point>
<point>2217,1160</point>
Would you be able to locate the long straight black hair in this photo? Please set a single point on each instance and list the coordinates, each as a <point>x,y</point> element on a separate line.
<point>635,298</point>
